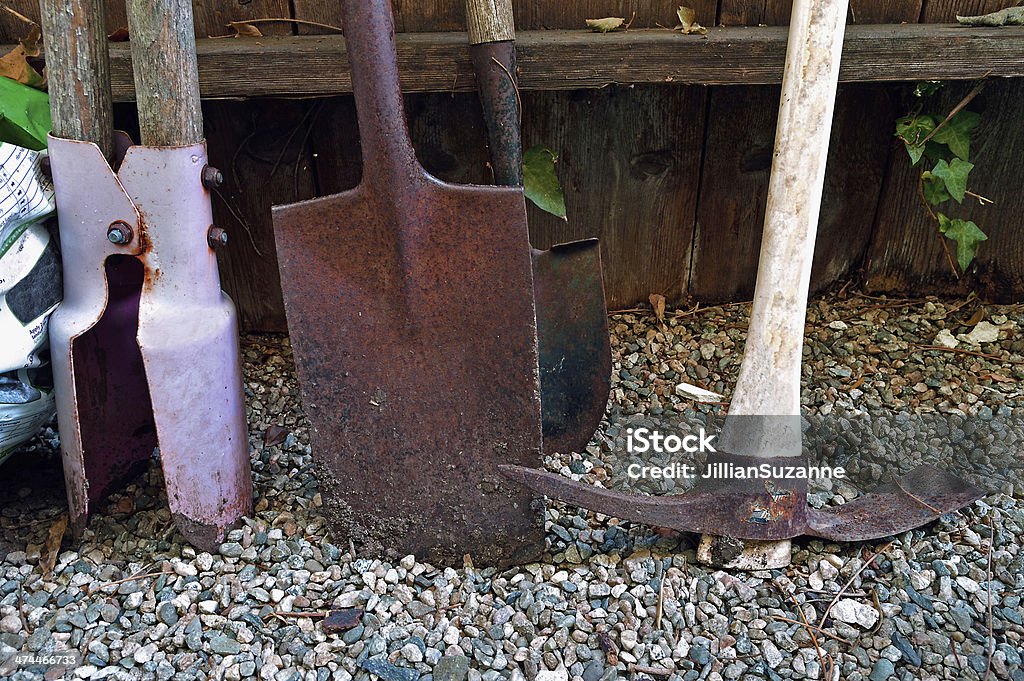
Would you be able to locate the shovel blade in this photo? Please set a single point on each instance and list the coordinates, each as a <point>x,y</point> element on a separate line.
<point>410,308</point>
<point>572,337</point>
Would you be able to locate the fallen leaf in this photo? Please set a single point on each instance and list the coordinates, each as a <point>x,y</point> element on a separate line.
<point>341,620</point>
<point>997,378</point>
<point>688,21</point>
<point>606,25</point>
<point>977,317</point>
<point>275,435</point>
<point>14,64</point>
<point>658,304</point>
<point>1011,16</point>
<point>119,36</point>
<point>611,652</point>
<point>51,549</point>
<point>244,29</point>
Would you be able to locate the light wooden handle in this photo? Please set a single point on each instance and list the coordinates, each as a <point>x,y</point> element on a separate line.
<point>78,71</point>
<point>163,45</point>
<point>490,21</point>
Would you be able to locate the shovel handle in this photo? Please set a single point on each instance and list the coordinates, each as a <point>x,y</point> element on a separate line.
<point>166,72</point>
<point>492,47</point>
<point>388,155</point>
<point>78,70</point>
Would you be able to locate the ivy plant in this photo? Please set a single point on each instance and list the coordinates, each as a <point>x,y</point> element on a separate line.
<point>940,145</point>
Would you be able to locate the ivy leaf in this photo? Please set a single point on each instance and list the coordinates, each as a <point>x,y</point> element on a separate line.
<point>540,181</point>
<point>913,129</point>
<point>954,176</point>
<point>926,88</point>
<point>688,20</point>
<point>934,189</point>
<point>956,134</point>
<point>967,236</point>
<point>605,25</point>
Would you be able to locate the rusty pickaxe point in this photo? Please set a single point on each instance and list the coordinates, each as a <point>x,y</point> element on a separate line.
<point>763,423</point>
<point>145,344</point>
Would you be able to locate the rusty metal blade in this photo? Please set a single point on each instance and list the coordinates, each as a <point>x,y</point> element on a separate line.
<point>572,318</point>
<point>572,336</point>
<point>913,500</point>
<point>410,305</point>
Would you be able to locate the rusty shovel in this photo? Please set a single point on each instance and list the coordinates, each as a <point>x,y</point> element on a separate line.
<point>411,313</point>
<point>763,425</point>
<point>145,344</point>
<point>572,318</point>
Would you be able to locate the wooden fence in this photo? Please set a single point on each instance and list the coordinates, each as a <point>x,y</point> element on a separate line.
<point>670,172</point>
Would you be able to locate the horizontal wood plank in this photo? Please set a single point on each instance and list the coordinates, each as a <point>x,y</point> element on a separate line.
<point>316,66</point>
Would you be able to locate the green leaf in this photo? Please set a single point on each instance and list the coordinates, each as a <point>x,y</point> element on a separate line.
<point>24,115</point>
<point>926,88</point>
<point>541,182</point>
<point>956,134</point>
<point>967,236</point>
<point>934,189</point>
<point>954,176</point>
<point>912,129</point>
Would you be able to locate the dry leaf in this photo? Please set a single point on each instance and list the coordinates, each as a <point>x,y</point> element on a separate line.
<point>244,29</point>
<point>997,378</point>
<point>658,303</point>
<point>119,36</point>
<point>275,435</point>
<point>14,64</point>
<point>688,21</point>
<point>52,548</point>
<point>605,25</point>
<point>977,317</point>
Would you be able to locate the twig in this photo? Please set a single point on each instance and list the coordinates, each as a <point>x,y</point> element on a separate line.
<point>972,353</point>
<point>308,615</point>
<point>288,142</point>
<point>240,220</point>
<point>988,578</point>
<point>283,20</point>
<point>916,498</point>
<point>942,237</point>
<point>849,582</point>
<point>826,669</point>
<point>515,88</point>
<point>133,578</point>
<point>661,602</point>
<point>981,199</point>
<point>956,655</point>
<point>956,109</point>
<point>653,671</point>
<point>21,613</point>
<point>817,629</point>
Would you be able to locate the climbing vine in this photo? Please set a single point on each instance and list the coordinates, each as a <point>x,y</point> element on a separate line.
<point>940,144</point>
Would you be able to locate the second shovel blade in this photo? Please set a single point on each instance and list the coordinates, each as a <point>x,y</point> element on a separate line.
<point>572,339</point>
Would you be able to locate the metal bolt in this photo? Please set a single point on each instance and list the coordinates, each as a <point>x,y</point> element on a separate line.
<point>217,237</point>
<point>119,233</point>
<point>212,178</point>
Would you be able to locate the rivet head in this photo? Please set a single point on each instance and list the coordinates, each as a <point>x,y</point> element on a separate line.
<point>212,177</point>
<point>217,237</point>
<point>119,233</point>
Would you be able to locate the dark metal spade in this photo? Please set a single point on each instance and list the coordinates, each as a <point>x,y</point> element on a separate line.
<point>763,425</point>
<point>572,318</point>
<point>410,307</point>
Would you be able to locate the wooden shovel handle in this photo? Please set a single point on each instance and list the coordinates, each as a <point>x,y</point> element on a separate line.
<point>163,45</point>
<point>78,71</point>
<point>490,21</point>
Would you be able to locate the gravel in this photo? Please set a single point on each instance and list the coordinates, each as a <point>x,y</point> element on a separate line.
<point>610,598</point>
